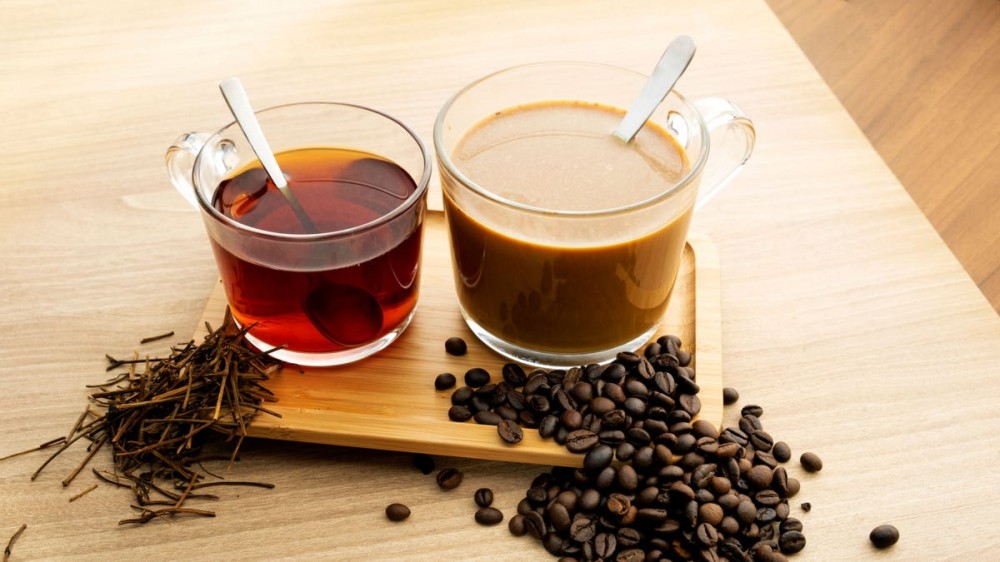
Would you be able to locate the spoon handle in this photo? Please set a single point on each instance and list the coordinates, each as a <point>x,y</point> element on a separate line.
<point>672,64</point>
<point>239,104</point>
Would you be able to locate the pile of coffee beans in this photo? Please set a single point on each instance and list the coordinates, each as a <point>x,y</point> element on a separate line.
<point>656,484</point>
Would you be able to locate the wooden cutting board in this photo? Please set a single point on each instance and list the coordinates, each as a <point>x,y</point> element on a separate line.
<point>388,401</point>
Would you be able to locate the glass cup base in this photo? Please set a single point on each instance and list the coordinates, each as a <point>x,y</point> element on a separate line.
<point>551,360</point>
<point>336,357</point>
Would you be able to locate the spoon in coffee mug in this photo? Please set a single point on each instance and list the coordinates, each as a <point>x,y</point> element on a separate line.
<point>672,64</point>
<point>344,314</point>
<point>239,105</point>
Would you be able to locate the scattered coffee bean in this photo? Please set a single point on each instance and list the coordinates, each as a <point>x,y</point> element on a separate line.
<point>444,381</point>
<point>477,377</point>
<point>397,512</point>
<point>509,431</point>
<point>486,417</point>
<point>811,462</point>
<point>459,413</point>
<point>806,506</point>
<point>483,497</point>
<point>516,526</point>
<point>488,516</point>
<point>730,396</point>
<point>791,542</point>
<point>752,410</point>
<point>455,346</point>
<point>449,478</point>
<point>884,536</point>
<point>781,451</point>
<point>424,463</point>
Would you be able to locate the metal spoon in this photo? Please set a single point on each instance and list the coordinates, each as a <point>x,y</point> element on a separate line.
<point>239,105</point>
<point>672,64</point>
<point>346,315</point>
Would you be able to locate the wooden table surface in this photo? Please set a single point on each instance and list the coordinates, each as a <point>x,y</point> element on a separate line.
<point>844,314</point>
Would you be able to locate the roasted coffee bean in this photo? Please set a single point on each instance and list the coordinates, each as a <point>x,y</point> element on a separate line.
<point>779,481</point>
<point>539,404</point>
<point>515,399</point>
<point>598,458</point>
<point>559,517</point>
<point>536,383</point>
<point>729,526</point>
<point>645,369</point>
<point>524,506</point>
<point>720,485</point>
<point>683,357</point>
<point>614,418</point>
<point>397,512</point>
<point>790,524</point>
<point>749,424</point>
<point>617,504</point>
<point>605,545</point>
<point>455,346</point>
<point>614,372</point>
<point>710,513</point>
<point>582,392</point>
<point>782,510</point>
<point>690,403</point>
<point>706,534</point>
<point>704,428</point>
<point>449,478</point>
<point>581,441</point>
<point>734,435</point>
<point>476,377</point>
<point>730,396</point>
<point>746,512</point>
<point>582,529</point>
<point>514,374</point>
<point>516,526</point>
<point>548,426</point>
<point>628,537</point>
<point>793,487</point>
<point>685,384</point>
<point>614,392</point>
<point>508,413</point>
<point>638,437</point>
<point>424,463</point>
<point>766,515</point>
<point>483,497</point>
<point>534,524</point>
<point>811,462</point>
<point>781,451</point>
<point>487,417</point>
<point>631,555</point>
<point>562,398</point>
<point>791,542</point>
<point>627,479</point>
<point>767,498</point>
<point>444,381</point>
<point>729,501</point>
<point>612,437</point>
<point>589,501</point>
<point>488,516</point>
<point>635,387</point>
<point>760,476</point>
<point>752,409</point>
<point>462,395</point>
<point>605,478</point>
<point>884,536</point>
<point>459,413</point>
<point>635,407</point>
<point>762,440</point>
<point>571,419</point>
<point>537,495</point>
<point>625,452</point>
<point>806,506</point>
<point>478,404</point>
<point>509,431</point>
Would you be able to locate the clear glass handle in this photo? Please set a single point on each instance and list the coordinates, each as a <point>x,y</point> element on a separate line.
<point>733,137</point>
<point>180,163</point>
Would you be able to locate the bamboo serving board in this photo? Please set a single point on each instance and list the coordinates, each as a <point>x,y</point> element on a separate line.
<point>389,402</point>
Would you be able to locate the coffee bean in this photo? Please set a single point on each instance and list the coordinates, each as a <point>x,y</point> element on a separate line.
<point>690,403</point>
<point>424,463</point>
<point>730,396</point>
<point>710,513</point>
<point>571,419</point>
<point>790,524</point>
<point>483,497</point>
<point>750,424</point>
<point>486,417</point>
<point>444,381</point>
<point>631,555</point>
<point>459,413</point>
<point>582,529</point>
<point>559,517</point>
<point>449,478</point>
<point>548,426</point>
<point>601,405</point>
<point>806,506</point>
<point>627,479</point>
<point>534,524</point>
<point>752,409</point>
<point>476,377</point>
<point>581,441</point>
<point>767,498</point>
<point>746,512</point>
<point>488,516</point>
<point>793,487</point>
<point>791,542</point>
<point>762,440</point>
<point>884,536</point>
<point>509,431</point>
<point>539,404</point>
<point>455,346</point>
<point>706,534</point>
<point>811,462</point>
<point>605,545</point>
<point>462,395</point>
<point>611,437</point>
<point>397,512</point>
<point>516,526</point>
<point>514,374</point>
<point>781,451</point>
<point>598,458</point>
<point>760,476</point>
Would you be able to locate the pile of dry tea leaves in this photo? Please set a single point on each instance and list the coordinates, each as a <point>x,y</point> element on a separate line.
<point>158,417</point>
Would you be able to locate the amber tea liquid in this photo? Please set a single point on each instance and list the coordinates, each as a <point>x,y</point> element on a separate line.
<point>582,294</point>
<point>331,309</point>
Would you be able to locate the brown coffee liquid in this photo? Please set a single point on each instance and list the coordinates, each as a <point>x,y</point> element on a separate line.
<point>582,296</point>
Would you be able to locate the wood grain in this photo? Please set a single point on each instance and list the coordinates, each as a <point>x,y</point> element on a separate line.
<point>922,80</point>
<point>388,400</point>
<point>843,313</point>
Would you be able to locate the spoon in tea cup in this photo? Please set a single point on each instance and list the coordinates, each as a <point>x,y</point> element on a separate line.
<point>668,70</point>
<point>346,315</point>
<point>239,105</point>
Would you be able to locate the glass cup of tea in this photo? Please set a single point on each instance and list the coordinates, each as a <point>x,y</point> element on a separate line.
<point>565,240</point>
<point>343,287</point>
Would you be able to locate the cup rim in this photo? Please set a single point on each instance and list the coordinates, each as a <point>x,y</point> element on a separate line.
<point>413,198</point>
<point>444,158</point>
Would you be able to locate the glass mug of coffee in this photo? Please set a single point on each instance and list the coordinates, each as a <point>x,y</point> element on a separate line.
<point>565,240</point>
<point>343,287</point>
